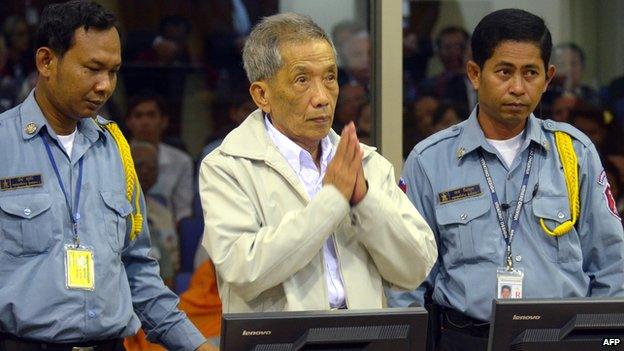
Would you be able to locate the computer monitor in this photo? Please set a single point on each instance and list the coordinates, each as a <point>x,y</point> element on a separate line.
<point>396,329</point>
<point>557,324</point>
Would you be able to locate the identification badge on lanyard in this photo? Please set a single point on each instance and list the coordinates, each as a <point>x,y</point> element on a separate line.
<point>79,268</point>
<point>509,283</point>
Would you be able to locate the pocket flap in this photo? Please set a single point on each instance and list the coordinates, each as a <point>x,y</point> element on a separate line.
<point>117,202</point>
<point>555,208</point>
<point>462,212</point>
<point>26,205</point>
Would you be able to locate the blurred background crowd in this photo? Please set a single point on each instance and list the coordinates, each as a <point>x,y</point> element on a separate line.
<point>182,88</point>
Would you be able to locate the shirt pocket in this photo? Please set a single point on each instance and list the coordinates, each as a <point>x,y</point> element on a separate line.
<point>26,224</point>
<point>555,210</point>
<point>463,231</point>
<point>115,213</point>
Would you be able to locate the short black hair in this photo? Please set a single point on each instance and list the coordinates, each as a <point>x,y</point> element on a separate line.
<point>60,21</point>
<point>146,96</point>
<point>509,25</point>
<point>505,287</point>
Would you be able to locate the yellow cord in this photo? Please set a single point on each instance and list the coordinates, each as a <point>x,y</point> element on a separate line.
<point>570,172</point>
<point>136,219</point>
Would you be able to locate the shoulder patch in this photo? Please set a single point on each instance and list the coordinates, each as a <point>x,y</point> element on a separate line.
<point>611,204</point>
<point>447,133</point>
<point>402,185</point>
<point>554,126</point>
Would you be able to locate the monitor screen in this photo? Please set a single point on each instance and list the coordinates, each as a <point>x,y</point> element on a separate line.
<point>557,324</point>
<point>396,329</point>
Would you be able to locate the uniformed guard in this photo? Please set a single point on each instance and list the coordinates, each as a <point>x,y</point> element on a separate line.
<point>519,206</point>
<point>74,267</point>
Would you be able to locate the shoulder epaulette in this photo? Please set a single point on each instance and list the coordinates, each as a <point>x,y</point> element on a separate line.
<point>436,138</point>
<point>554,126</point>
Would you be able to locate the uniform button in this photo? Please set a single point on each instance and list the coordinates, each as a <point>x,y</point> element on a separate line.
<point>463,216</point>
<point>27,212</point>
<point>560,215</point>
<point>91,314</point>
<point>549,124</point>
<point>518,258</point>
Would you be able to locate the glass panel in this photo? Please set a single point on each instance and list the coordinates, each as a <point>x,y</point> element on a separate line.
<point>585,92</point>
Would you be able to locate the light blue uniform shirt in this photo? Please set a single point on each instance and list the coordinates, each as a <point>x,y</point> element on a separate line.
<point>35,225</point>
<point>587,261</point>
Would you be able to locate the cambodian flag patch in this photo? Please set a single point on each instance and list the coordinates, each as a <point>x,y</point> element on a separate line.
<point>608,195</point>
<point>610,200</point>
<point>402,185</point>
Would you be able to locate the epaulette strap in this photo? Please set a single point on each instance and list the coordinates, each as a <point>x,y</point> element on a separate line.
<point>570,171</point>
<point>132,181</point>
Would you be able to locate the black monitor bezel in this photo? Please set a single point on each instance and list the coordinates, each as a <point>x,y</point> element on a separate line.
<point>554,313</point>
<point>388,316</point>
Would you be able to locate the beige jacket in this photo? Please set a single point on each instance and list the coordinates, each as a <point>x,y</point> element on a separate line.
<point>265,235</point>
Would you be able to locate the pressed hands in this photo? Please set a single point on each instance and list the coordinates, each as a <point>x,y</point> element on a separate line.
<point>345,171</point>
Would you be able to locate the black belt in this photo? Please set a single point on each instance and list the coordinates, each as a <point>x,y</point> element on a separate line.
<point>9,342</point>
<point>457,321</point>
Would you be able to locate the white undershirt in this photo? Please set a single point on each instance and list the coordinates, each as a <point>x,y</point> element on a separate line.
<point>508,148</point>
<point>68,141</point>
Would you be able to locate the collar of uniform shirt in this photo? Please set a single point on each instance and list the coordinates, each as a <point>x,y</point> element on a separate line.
<point>472,136</point>
<point>294,153</point>
<point>30,112</point>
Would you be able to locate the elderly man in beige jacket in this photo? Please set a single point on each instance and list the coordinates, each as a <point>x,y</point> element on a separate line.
<point>297,217</point>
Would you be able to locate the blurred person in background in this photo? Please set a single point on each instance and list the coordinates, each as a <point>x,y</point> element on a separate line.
<point>569,59</point>
<point>452,84</point>
<point>147,120</point>
<point>352,96</point>
<point>228,113</point>
<point>162,226</point>
<point>418,121</point>
<point>561,107</point>
<point>364,123</point>
<point>356,68</point>
<point>17,74</point>
<point>445,115</point>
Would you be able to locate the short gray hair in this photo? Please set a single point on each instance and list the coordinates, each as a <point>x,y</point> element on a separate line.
<point>261,56</point>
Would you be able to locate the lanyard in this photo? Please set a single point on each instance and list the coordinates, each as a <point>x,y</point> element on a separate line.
<point>508,234</point>
<point>73,211</point>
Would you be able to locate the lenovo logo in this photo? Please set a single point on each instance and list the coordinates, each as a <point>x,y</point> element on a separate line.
<point>256,332</point>
<point>526,318</point>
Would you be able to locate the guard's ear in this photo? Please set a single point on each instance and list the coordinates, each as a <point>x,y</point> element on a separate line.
<point>46,61</point>
<point>474,74</point>
<point>260,93</point>
<point>550,74</point>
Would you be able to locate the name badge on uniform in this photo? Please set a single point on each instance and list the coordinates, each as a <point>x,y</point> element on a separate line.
<point>459,194</point>
<point>79,268</point>
<point>20,182</point>
<point>509,283</point>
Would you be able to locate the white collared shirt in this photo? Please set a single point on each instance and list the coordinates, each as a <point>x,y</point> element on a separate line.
<point>302,163</point>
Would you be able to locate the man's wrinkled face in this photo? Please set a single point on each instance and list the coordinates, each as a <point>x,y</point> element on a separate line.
<point>301,97</point>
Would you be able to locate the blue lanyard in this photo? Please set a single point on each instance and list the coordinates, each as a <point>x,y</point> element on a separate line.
<point>508,234</point>
<point>73,211</point>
